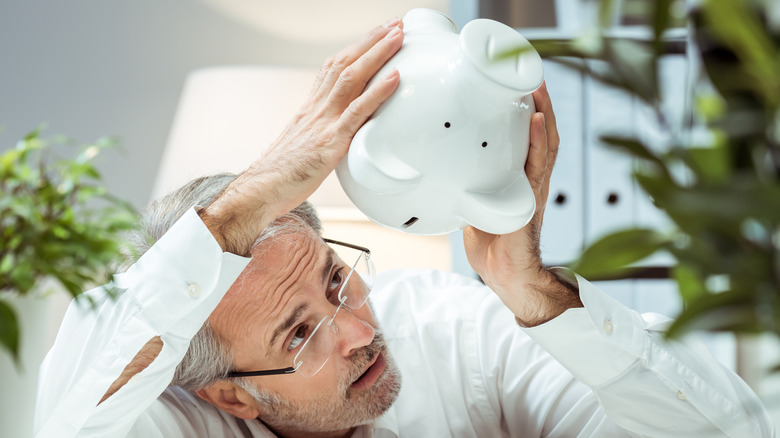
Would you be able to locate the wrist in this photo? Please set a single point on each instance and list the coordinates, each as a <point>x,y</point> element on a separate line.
<point>541,295</point>
<point>237,216</point>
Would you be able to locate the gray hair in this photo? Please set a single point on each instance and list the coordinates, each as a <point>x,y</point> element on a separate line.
<point>208,358</point>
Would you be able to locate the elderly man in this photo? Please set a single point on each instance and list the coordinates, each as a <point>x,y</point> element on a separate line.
<point>240,319</point>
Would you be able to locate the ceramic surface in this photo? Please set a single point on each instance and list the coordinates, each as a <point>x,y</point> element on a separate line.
<point>448,149</point>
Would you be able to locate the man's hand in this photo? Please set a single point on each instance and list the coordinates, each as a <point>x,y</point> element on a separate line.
<point>510,264</point>
<point>311,145</point>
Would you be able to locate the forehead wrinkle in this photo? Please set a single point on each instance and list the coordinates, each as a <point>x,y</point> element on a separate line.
<point>287,288</point>
<point>263,290</point>
<point>285,283</point>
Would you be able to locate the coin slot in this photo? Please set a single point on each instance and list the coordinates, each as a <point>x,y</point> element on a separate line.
<point>410,222</point>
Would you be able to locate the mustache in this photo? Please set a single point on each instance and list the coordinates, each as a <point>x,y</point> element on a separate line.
<point>364,357</point>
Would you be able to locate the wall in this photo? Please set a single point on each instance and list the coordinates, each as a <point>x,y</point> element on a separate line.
<point>94,68</point>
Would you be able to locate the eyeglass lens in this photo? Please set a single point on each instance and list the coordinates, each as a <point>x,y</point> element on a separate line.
<point>318,346</point>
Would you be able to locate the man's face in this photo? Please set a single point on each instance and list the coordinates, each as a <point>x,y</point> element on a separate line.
<point>290,285</point>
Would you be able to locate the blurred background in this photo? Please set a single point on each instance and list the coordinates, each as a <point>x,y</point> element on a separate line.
<point>196,86</point>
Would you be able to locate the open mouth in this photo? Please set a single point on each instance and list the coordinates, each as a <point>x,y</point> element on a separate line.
<point>372,373</point>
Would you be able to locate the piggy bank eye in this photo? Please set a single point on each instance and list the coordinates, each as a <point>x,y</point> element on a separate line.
<point>484,144</point>
<point>447,124</point>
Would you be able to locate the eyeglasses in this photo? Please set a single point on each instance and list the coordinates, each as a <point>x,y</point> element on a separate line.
<point>317,344</point>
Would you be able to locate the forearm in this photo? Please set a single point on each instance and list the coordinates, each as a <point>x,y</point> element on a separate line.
<point>95,346</point>
<point>312,144</point>
<point>647,385</point>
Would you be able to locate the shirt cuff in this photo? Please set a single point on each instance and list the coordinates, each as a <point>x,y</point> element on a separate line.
<point>596,343</point>
<point>189,281</point>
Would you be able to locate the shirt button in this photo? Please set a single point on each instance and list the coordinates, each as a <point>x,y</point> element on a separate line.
<point>608,327</point>
<point>193,290</point>
<point>681,396</point>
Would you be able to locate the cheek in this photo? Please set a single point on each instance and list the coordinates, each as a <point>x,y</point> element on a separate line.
<point>301,390</point>
<point>366,313</point>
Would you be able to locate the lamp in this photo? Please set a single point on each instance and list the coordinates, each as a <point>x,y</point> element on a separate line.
<point>228,115</point>
<point>318,20</point>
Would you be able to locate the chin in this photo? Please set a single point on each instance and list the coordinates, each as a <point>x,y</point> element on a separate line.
<point>385,391</point>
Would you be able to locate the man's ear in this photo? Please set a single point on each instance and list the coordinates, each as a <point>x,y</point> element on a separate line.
<point>230,398</point>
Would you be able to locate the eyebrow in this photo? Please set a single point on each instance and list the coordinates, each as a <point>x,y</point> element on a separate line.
<point>296,314</point>
<point>328,265</point>
<point>286,325</point>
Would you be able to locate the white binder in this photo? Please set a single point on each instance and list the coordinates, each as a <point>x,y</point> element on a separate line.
<point>609,203</point>
<point>562,231</point>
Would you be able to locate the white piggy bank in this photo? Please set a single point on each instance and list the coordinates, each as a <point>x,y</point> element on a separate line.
<point>448,149</point>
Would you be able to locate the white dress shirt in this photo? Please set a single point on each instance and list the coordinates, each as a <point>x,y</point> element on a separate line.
<point>467,369</point>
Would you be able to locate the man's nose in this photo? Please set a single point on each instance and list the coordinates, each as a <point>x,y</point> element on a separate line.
<point>354,333</point>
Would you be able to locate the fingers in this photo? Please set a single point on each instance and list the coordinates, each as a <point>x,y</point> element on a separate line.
<point>352,80</point>
<point>336,64</point>
<point>544,105</point>
<point>536,163</point>
<point>360,109</point>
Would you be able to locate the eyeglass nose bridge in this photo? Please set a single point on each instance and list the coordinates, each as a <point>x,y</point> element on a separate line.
<point>335,328</point>
<point>342,305</point>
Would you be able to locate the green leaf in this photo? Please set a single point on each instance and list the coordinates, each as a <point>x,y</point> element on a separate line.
<point>712,165</point>
<point>730,311</point>
<point>607,13</point>
<point>7,263</point>
<point>551,47</point>
<point>689,282</point>
<point>634,66</point>
<point>661,17</point>
<point>738,26</point>
<point>9,330</point>
<point>637,149</point>
<point>613,255</point>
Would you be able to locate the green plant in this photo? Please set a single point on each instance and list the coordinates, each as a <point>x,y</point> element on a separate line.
<point>56,220</point>
<point>722,194</point>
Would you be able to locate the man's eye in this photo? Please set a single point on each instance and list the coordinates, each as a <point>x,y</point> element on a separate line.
<point>335,281</point>
<point>298,337</point>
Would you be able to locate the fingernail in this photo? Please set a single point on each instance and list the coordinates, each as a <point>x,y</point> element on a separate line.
<point>393,22</point>
<point>390,76</point>
<point>393,33</point>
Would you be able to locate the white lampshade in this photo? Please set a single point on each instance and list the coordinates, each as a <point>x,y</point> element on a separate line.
<point>319,20</point>
<point>226,117</point>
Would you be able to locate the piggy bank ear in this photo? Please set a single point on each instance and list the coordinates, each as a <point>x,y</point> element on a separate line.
<point>374,166</point>
<point>484,40</point>
<point>500,212</point>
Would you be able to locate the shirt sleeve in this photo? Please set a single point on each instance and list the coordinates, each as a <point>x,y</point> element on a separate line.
<point>169,292</point>
<point>644,384</point>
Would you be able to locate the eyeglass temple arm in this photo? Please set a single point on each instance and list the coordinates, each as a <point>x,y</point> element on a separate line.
<point>348,245</point>
<point>288,370</point>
